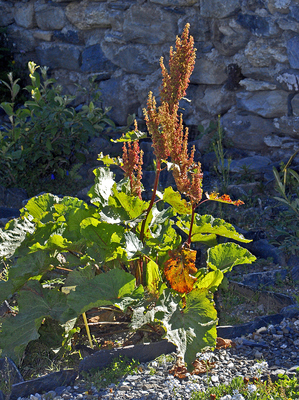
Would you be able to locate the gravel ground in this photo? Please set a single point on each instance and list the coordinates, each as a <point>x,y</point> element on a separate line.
<point>271,350</point>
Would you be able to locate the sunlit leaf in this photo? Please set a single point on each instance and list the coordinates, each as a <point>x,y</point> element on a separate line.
<point>190,326</point>
<point>180,268</point>
<point>205,228</point>
<point>175,200</point>
<point>102,189</point>
<point>210,281</point>
<point>107,160</point>
<point>14,233</point>
<point>153,276</point>
<point>133,244</point>
<point>131,136</point>
<point>226,255</point>
<point>223,199</point>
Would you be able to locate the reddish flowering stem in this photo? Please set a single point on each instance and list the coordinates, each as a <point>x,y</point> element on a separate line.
<point>191,224</point>
<point>158,170</point>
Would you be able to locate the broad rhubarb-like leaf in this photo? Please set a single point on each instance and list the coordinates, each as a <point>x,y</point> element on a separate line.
<point>226,255</point>
<point>180,268</point>
<point>206,225</point>
<point>210,281</point>
<point>174,198</point>
<point>14,233</point>
<point>115,287</point>
<point>102,189</point>
<point>153,276</point>
<point>190,326</point>
<point>35,303</point>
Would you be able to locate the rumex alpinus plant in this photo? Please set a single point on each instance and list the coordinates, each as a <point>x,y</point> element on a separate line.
<point>122,250</point>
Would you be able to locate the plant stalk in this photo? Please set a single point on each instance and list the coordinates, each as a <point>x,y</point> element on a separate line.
<point>158,170</point>
<point>87,329</point>
<point>191,224</point>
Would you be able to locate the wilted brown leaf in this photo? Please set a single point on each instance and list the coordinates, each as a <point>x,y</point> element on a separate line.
<point>224,343</point>
<point>201,366</point>
<point>179,370</point>
<point>179,269</point>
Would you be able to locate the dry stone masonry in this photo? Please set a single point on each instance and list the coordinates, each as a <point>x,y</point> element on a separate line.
<point>247,66</point>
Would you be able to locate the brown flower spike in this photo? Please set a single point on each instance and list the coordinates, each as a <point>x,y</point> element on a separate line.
<point>132,165</point>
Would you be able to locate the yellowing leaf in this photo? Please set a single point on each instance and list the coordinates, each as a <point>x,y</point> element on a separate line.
<point>224,199</point>
<point>179,269</point>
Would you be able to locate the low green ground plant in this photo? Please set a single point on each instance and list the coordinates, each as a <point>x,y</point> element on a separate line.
<point>47,137</point>
<point>287,223</point>
<point>121,250</point>
<point>285,388</point>
<point>119,368</point>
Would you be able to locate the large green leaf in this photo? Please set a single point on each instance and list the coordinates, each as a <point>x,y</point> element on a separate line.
<point>35,303</point>
<point>112,287</point>
<point>191,327</point>
<point>107,237</point>
<point>77,277</point>
<point>133,205</point>
<point>14,233</point>
<point>226,255</point>
<point>102,189</point>
<point>41,207</point>
<point>179,205</point>
<point>6,289</point>
<point>162,235</point>
<point>209,281</point>
<point>132,244</point>
<point>207,225</point>
<point>152,276</point>
<point>30,267</point>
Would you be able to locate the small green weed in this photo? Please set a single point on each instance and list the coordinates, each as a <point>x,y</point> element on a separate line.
<point>47,136</point>
<point>117,369</point>
<point>284,389</point>
<point>223,165</point>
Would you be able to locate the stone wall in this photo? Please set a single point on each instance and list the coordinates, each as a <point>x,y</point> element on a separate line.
<point>247,66</point>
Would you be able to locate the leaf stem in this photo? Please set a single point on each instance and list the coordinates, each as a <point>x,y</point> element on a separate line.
<point>158,170</point>
<point>87,329</point>
<point>191,224</point>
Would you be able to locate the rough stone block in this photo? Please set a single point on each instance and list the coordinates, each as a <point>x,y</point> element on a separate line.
<point>177,3</point>
<point>132,58</point>
<point>229,37</point>
<point>6,14</point>
<point>49,18</point>
<point>21,39</point>
<point>88,15</point>
<point>293,51</point>
<point>68,36</point>
<point>24,15</point>
<point>59,56</point>
<point>263,52</point>
<point>256,24</point>
<point>218,8</point>
<point>149,25</point>
<point>209,71</point>
<point>94,60</point>
<point>267,104</point>
<point>281,6</point>
<point>247,132</point>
